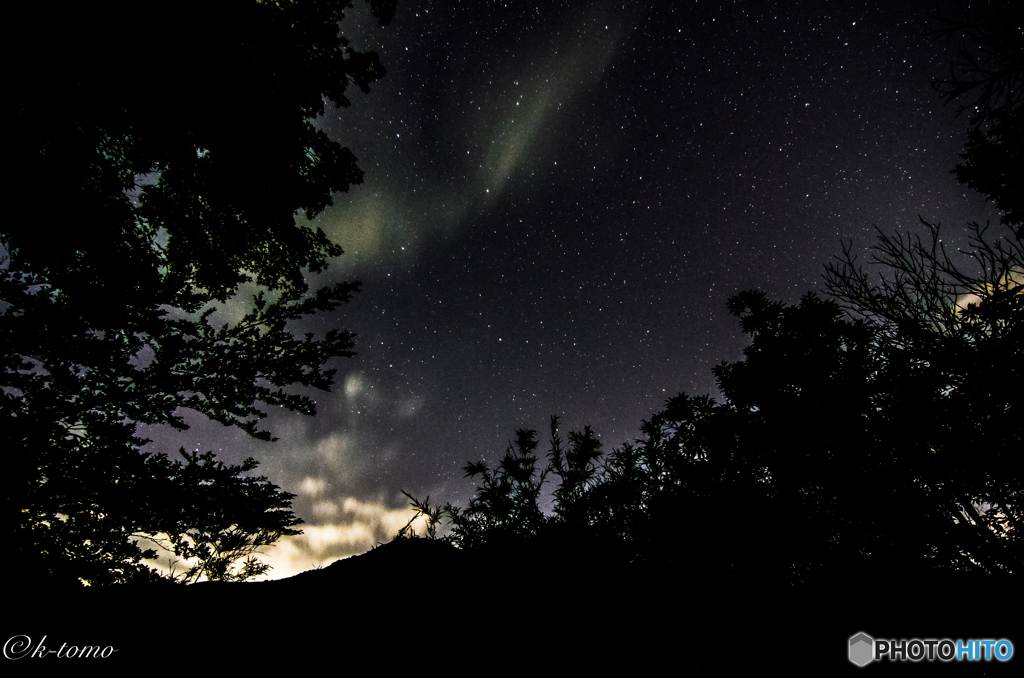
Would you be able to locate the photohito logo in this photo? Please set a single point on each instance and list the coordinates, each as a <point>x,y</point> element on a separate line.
<point>864,649</point>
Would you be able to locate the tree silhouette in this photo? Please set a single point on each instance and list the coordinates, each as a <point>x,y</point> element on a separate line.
<point>504,514</point>
<point>951,334</point>
<point>841,448</point>
<point>506,506</point>
<point>864,440</point>
<point>987,63</point>
<point>987,76</point>
<point>171,200</point>
<point>991,165</point>
<point>950,343</point>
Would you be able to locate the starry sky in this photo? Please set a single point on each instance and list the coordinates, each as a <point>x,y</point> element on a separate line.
<point>559,198</point>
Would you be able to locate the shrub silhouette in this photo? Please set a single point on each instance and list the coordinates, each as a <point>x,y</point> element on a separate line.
<point>832,454</point>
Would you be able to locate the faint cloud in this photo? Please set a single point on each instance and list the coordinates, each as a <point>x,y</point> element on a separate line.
<point>325,509</point>
<point>313,487</point>
<point>364,223</point>
<point>337,456</point>
<point>518,136</point>
<point>355,385</point>
<point>408,407</point>
<point>524,111</point>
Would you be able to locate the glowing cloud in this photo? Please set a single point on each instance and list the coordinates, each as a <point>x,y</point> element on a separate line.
<point>1010,280</point>
<point>355,527</point>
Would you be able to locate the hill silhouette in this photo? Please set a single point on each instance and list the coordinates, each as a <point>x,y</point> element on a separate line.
<point>419,602</point>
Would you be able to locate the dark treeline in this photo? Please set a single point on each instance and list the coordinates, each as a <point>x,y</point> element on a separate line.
<point>861,474</point>
<point>842,446</point>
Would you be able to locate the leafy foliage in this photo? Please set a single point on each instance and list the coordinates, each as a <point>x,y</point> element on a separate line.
<point>991,165</point>
<point>201,510</point>
<point>987,76</point>
<point>217,516</point>
<point>171,200</point>
<point>505,507</point>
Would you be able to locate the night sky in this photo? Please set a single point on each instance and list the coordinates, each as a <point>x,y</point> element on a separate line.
<point>558,201</point>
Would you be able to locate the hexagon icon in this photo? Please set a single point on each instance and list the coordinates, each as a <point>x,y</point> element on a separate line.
<point>862,649</point>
